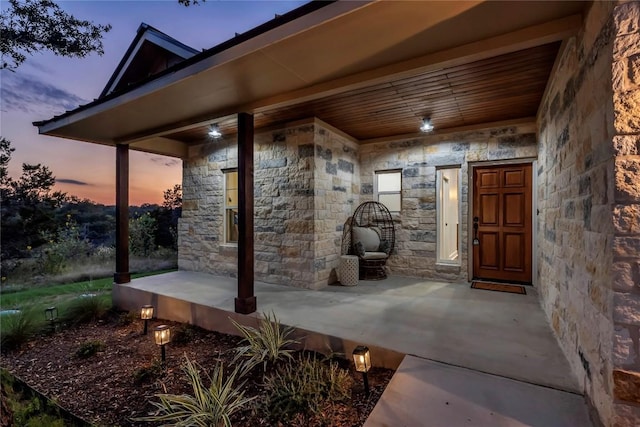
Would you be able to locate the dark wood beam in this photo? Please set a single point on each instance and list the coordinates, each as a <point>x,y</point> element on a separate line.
<point>245,303</point>
<point>122,274</point>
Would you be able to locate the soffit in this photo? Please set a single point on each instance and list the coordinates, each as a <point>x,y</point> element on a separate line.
<point>502,88</point>
<point>276,74</point>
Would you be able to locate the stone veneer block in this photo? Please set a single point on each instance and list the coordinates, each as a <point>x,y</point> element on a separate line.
<point>626,218</point>
<point>626,106</point>
<point>624,353</point>
<point>626,415</point>
<point>627,145</point>
<point>626,385</point>
<point>628,177</point>
<point>627,18</point>
<point>626,308</point>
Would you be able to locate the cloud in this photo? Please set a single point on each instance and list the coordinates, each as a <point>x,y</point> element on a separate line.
<point>166,161</point>
<point>28,93</point>
<point>38,66</point>
<point>71,182</point>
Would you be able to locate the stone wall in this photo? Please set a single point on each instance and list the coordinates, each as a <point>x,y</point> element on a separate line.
<point>337,188</point>
<point>586,215</point>
<point>626,214</point>
<point>305,178</point>
<point>415,254</point>
<point>200,230</point>
<point>283,223</point>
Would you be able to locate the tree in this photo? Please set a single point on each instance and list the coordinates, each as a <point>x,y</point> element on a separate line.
<point>173,197</point>
<point>188,3</point>
<point>35,185</point>
<point>5,157</point>
<point>28,205</point>
<point>5,180</point>
<point>35,25</point>
<point>167,218</point>
<point>142,232</point>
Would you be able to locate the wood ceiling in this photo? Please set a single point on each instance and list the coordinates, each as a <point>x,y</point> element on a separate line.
<point>504,87</point>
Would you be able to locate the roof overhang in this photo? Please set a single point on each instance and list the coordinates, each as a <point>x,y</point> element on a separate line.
<point>336,48</point>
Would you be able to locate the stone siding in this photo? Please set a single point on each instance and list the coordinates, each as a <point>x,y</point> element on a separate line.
<point>305,178</point>
<point>200,230</point>
<point>415,253</point>
<point>584,226</point>
<point>626,214</point>
<point>283,204</point>
<point>337,188</point>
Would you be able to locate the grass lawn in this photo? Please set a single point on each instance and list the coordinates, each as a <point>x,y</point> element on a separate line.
<point>59,294</point>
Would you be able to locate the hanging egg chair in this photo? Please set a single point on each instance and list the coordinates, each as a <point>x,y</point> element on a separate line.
<point>370,234</point>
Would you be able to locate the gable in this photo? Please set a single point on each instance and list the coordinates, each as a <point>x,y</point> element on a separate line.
<point>150,52</point>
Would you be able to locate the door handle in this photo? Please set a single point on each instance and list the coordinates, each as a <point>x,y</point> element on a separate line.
<point>476,241</point>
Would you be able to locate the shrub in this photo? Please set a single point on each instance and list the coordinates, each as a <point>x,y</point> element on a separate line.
<point>66,244</point>
<point>89,348</point>
<point>104,253</point>
<point>18,328</point>
<point>127,318</point>
<point>27,408</point>
<point>267,344</point>
<point>147,373</point>
<point>86,308</point>
<point>212,406</point>
<point>304,387</point>
<point>183,334</point>
<point>142,234</point>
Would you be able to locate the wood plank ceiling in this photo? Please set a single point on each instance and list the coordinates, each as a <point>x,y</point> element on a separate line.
<point>504,87</point>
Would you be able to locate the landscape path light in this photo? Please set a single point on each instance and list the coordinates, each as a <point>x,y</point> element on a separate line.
<point>162,338</point>
<point>362,360</point>
<point>145,314</point>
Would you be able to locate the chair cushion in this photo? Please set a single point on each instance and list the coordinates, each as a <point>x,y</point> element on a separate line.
<point>369,238</point>
<point>358,249</point>
<point>375,255</point>
<point>385,246</point>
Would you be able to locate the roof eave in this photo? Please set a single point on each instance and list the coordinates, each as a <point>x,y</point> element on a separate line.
<point>193,65</point>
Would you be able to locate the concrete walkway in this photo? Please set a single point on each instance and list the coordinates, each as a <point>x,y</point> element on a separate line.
<point>430,394</point>
<point>496,333</point>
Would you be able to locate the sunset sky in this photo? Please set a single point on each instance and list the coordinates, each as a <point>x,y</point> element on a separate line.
<point>46,85</point>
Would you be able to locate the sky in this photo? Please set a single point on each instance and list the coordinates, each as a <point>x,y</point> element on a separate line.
<point>46,85</point>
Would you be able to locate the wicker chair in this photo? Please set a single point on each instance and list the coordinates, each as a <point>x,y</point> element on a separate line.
<point>370,234</point>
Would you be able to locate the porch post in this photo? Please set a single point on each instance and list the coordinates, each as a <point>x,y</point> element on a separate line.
<point>245,303</point>
<point>122,274</point>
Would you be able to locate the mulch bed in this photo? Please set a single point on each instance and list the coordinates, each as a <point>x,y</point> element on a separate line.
<point>107,389</point>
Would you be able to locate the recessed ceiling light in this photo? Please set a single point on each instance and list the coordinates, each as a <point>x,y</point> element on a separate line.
<point>426,126</point>
<point>214,131</point>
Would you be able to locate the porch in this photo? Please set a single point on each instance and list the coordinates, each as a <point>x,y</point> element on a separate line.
<point>442,327</point>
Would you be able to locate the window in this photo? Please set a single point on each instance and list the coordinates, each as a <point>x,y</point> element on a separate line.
<point>389,189</point>
<point>231,206</point>
<point>448,215</point>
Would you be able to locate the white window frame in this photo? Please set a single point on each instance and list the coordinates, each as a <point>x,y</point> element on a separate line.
<point>377,193</point>
<point>440,259</point>
<point>226,206</point>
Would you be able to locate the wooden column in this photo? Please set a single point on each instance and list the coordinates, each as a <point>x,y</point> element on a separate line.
<point>122,274</point>
<point>245,303</point>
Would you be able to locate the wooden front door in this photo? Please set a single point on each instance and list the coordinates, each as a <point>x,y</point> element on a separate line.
<point>501,226</point>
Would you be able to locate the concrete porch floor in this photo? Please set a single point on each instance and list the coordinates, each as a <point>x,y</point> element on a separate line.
<point>496,333</point>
